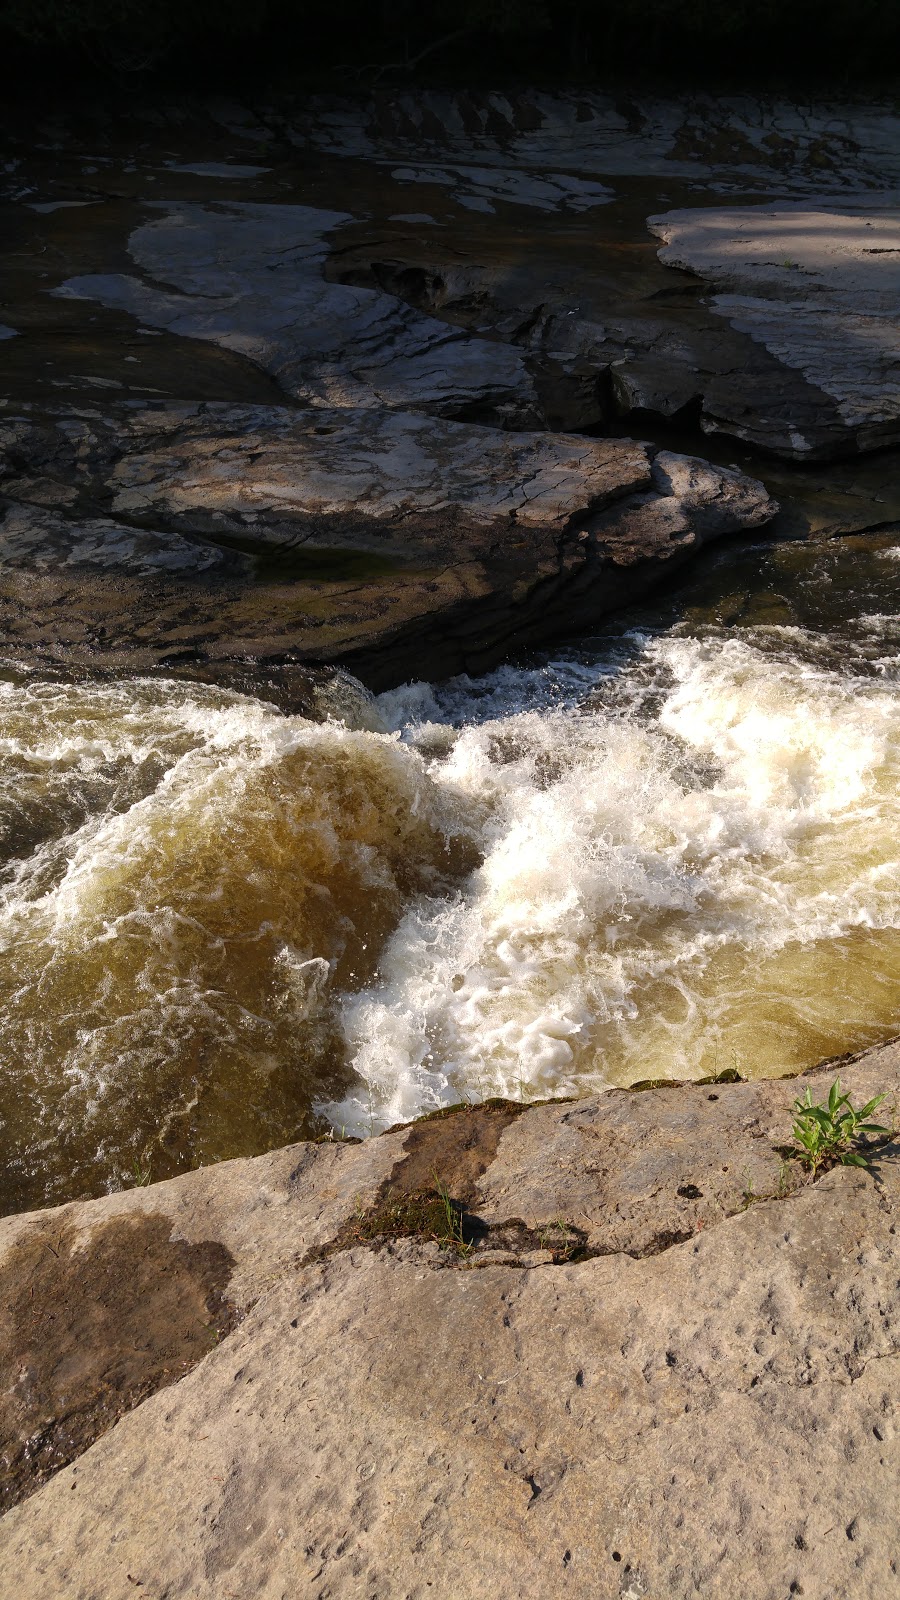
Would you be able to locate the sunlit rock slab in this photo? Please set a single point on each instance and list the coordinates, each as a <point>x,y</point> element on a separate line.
<point>818,287</point>
<point>641,1170</point>
<point>44,541</point>
<point>413,544</point>
<point>251,278</point>
<point>712,1410</point>
<point>380,468</point>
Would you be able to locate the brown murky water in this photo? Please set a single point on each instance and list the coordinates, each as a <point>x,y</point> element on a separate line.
<point>664,852</point>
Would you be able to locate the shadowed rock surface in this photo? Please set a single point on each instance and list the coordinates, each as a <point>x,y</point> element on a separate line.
<point>399,1417</point>
<point>250,277</point>
<point>723,139</point>
<point>394,543</point>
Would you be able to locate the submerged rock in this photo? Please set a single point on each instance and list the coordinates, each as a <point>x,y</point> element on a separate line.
<point>651,1297</point>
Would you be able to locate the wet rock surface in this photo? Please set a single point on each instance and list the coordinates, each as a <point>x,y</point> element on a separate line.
<point>90,1327</point>
<point>403,1415</point>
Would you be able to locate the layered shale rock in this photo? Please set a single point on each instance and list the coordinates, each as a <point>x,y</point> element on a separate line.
<point>250,278</point>
<point>397,544</point>
<point>661,1363</point>
<point>725,141</point>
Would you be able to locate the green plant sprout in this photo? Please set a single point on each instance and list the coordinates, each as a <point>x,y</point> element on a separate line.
<point>455,1235</point>
<point>826,1133</point>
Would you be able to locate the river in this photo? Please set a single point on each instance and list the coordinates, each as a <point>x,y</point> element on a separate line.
<point>664,852</point>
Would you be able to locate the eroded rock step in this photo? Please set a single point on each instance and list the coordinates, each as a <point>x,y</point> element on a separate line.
<point>402,1409</point>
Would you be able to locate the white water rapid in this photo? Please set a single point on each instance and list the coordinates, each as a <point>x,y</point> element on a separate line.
<point>689,863</point>
<point>677,856</point>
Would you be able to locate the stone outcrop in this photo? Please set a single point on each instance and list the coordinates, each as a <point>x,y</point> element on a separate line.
<point>733,142</point>
<point>806,370</point>
<point>819,288</point>
<point>799,362</point>
<point>405,280</point>
<point>663,1362</point>
<point>251,278</point>
<point>399,545</point>
<point>798,353</point>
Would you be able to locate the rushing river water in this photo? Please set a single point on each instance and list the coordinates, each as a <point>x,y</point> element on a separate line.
<point>662,853</point>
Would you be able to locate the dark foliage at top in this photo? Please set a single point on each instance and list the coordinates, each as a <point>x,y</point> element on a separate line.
<point>458,40</point>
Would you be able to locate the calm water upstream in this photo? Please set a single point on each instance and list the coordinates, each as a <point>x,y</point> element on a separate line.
<point>661,853</point>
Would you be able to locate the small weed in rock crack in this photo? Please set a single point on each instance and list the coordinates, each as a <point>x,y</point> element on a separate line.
<point>828,1134</point>
<point>434,1217</point>
<point>454,1221</point>
<point>429,1214</point>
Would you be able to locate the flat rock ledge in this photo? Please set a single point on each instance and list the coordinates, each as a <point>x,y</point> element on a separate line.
<point>818,287</point>
<point>394,544</point>
<point>663,1364</point>
<point>252,279</point>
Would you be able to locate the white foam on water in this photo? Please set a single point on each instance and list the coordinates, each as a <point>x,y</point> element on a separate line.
<point>653,852</point>
<point>678,857</point>
<point>188,875</point>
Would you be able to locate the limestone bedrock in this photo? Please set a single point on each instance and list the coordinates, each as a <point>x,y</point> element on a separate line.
<point>705,1403</point>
